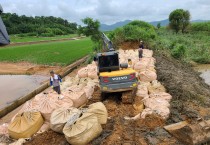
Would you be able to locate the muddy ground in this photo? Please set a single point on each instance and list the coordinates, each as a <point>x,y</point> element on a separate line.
<point>22,68</point>
<point>191,96</point>
<point>190,100</point>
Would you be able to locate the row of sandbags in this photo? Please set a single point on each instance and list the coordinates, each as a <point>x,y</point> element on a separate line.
<point>152,94</point>
<point>80,126</point>
<point>75,93</point>
<point>89,71</point>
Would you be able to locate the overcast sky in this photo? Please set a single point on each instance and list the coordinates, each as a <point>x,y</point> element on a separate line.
<point>109,11</point>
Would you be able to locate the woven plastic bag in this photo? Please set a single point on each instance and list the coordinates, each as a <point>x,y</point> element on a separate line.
<point>25,125</point>
<point>60,116</point>
<point>84,130</point>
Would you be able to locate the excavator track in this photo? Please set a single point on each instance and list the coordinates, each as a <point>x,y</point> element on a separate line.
<point>128,96</point>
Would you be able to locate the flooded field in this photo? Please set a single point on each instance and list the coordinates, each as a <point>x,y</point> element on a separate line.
<point>205,72</point>
<point>13,87</point>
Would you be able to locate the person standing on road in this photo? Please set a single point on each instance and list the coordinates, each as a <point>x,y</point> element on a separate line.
<point>55,81</point>
<point>141,47</point>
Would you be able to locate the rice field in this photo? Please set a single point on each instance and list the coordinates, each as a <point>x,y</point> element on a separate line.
<point>51,53</point>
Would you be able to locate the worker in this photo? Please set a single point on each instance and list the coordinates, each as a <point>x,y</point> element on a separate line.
<point>55,81</point>
<point>141,47</point>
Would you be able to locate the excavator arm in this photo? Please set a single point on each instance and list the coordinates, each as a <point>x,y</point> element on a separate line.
<point>107,43</point>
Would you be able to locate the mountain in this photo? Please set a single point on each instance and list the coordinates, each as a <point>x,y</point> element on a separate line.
<point>162,22</point>
<point>105,27</point>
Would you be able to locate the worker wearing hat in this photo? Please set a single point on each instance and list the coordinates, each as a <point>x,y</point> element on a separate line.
<point>141,47</point>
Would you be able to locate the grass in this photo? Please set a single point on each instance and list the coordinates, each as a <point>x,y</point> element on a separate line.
<point>52,53</point>
<point>16,38</point>
<point>193,46</point>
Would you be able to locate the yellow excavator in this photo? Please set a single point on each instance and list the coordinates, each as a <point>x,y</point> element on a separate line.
<point>113,76</point>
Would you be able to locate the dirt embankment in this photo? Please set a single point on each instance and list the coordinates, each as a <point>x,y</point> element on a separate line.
<point>26,68</point>
<point>191,96</point>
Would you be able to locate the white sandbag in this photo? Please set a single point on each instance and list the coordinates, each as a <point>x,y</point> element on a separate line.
<point>163,111</point>
<point>92,71</point>
<point>65,101</point>
<point>25,125</point>
<point>147,76</point>
<point>146,112</point>
<point>147,53</point>
<point>84,130</point>
<point>155,102</point>
<point>78,98</point>
<point>75,88</point>
<point>140,65</point>
<point>142,92</point>
<point>28,106</point>
<point>100,111</point>
<point>60,116</point>
<point>46,107</point>
<point>4,129</point>
<point>83,72</point>
<point>89,89</point>
<point>45,127</point>
<point>20,141</point>
<point>163,95</point>
<point>156,87</point>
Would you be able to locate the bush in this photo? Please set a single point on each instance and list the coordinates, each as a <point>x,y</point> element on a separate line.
<point>57,31</point>
<point>178,51</point>
<point>203,26</point>
<point>134,31</point>
<point>47,35</point>
<point>32,34</point>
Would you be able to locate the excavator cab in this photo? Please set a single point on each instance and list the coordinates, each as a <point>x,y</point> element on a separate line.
<point>113,76</point>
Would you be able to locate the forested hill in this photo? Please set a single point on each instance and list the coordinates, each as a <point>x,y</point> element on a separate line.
<point>38,25</point>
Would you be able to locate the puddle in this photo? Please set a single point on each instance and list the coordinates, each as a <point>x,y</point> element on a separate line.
<point>13,87</point>
<point>205,72</point>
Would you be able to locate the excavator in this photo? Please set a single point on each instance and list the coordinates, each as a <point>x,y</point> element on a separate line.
<point>113,76</point>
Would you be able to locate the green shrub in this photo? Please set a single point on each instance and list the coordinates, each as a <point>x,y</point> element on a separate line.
<point>47,35</point>
<point>134,31</point>
<point>202,26</point>
<point>32,34</point>
<point>178,51</point>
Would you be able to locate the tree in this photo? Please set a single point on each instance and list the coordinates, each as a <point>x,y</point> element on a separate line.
<point>91,29</point>
<point>158,25</point>
<point>179,20</point>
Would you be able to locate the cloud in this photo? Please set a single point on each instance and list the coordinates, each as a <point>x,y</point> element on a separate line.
<point>107,11</point>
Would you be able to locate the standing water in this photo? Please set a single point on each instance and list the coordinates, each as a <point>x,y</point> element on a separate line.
<point>13,87</point>
<point>205,72</point>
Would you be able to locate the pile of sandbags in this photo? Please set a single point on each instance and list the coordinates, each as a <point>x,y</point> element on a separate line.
<point>150,91</point>
<point>90,71</point>
<point>84,130</point>
<point>80,126</point>
<point>25,125</point>
<point>60,116</point>
<point>157,103</point>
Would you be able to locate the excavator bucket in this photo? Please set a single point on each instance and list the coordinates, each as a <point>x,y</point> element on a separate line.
<point>190,133</point>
